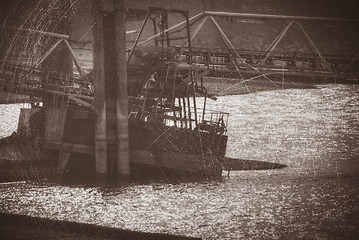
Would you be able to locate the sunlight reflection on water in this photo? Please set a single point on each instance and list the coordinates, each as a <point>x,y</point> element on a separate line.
<point>9,118</point>
<point>313,131</point>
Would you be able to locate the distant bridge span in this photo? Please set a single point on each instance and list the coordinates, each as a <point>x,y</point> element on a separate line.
<point>22,76</point>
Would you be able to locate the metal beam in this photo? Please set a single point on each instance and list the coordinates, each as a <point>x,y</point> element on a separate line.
<point>44,33</point>
<point>232,48</point>
<point>279,17</point>
<point>138,36</point>
<point>46,55</point>
<point>77,64</point>
<point>196,30</point>
<point>194,84</point>
<point>224,36</point>
<point>310,42</point>
<point>169,29</point>
<point>276,41</point>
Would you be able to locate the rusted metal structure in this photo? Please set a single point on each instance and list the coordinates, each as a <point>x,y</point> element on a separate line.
<point>166,128</point>
<point>150,98</point>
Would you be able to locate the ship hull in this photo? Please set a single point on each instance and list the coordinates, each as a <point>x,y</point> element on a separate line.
<point>164,148</point>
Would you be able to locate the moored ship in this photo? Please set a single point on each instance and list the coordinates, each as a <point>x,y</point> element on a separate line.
<point>168,130</point>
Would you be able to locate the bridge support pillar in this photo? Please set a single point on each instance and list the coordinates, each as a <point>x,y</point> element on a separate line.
<point>110,82</point>
<point>123,161</point>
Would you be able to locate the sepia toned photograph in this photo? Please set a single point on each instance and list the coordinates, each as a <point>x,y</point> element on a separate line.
<point>179,119</point>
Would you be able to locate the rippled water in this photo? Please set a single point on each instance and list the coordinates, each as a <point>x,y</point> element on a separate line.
<point>313,131</point>
<point>9,118</point>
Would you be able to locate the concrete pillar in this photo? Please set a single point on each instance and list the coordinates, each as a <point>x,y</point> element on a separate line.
<point>110,82</point>
<point>99,92</point>
<point>123,162</point>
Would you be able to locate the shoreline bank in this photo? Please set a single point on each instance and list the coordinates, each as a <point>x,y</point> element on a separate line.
<point>15,226</point>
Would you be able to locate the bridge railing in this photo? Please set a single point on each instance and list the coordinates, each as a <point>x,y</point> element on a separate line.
<point>218,59</point>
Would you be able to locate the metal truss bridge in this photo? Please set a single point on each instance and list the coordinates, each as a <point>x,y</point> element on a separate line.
<point>22,71</point>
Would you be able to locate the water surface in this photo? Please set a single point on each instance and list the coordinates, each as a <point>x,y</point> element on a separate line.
<point>313,131</point>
